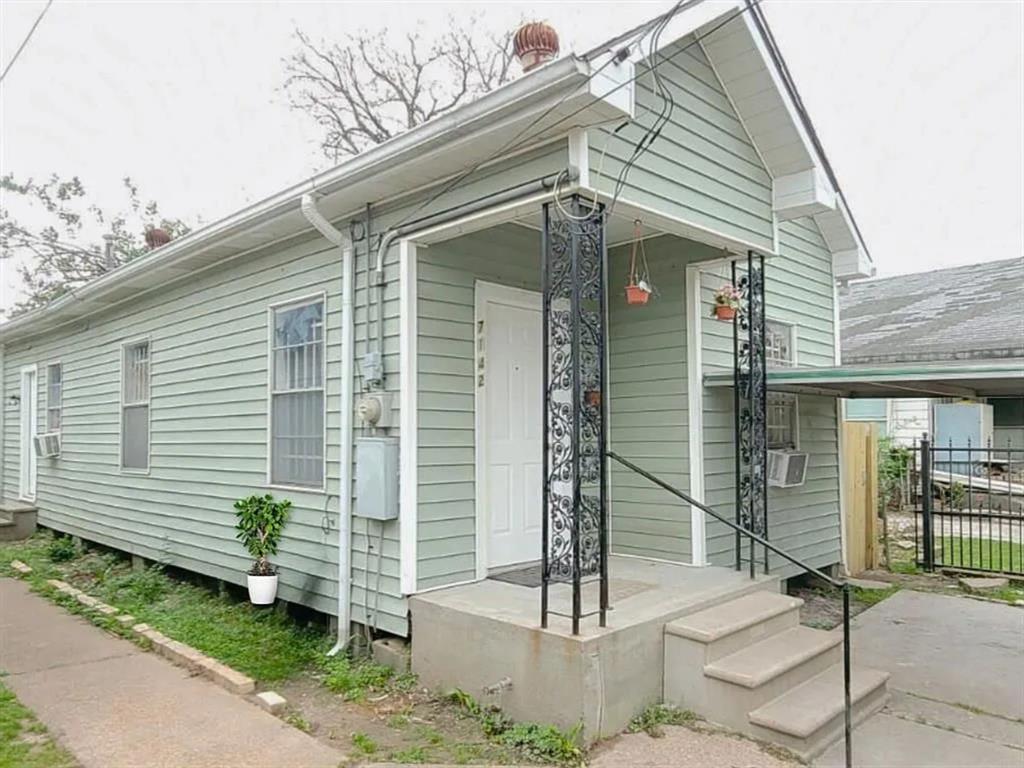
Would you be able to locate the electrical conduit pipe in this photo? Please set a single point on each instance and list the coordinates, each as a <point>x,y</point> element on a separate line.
<point>325,228</point>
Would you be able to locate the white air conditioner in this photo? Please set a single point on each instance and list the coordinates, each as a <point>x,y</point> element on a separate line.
<point>48,445</point>
<point>786,469</point>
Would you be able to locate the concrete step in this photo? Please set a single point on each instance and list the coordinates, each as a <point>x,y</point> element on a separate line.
<point>731,626</point>
<point>783,654</point>
<point>17,521</point>
<point>810,717</point>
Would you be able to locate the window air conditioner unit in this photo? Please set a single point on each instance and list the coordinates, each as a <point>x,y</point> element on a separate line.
<point>48,445</point>
<point>786,469</point>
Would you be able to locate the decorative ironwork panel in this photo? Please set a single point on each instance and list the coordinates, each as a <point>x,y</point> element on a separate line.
<point>575,489</point>
<point>750,400</point>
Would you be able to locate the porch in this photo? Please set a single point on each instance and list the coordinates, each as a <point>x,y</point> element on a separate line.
<point>485,638</point>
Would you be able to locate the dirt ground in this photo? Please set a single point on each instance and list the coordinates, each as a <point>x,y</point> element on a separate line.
<point>699,745</point>
<point>395,726</point>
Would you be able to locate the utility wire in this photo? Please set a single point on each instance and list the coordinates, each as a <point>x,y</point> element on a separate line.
<point>658,20</point>
<point>24,42</point>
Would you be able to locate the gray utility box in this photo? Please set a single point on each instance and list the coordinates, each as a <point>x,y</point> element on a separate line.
<point>377,478</point>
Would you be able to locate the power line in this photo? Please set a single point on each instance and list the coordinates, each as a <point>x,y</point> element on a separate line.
<point>660,20</point>
<point>24,42</point>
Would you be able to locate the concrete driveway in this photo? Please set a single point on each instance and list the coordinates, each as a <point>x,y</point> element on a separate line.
<point>957,684</point>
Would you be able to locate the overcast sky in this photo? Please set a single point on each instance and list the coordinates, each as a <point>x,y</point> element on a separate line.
<point>920,104</point>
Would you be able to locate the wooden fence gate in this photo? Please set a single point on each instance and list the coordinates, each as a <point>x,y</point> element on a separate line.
<point>860,494</point>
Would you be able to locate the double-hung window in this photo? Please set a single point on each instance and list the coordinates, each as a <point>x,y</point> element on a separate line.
<point>54,397</point>
<point>781,417</point>
<point>297,395</point>
<point>135,406</point>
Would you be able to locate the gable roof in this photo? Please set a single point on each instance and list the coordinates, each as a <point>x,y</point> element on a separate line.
<point>963,313</point>
<point>549,102</point>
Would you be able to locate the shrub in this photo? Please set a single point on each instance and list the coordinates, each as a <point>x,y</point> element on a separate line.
<point>62,549</point>
<point>260,522</point>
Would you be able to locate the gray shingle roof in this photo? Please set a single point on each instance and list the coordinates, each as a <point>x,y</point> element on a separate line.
<point>968,312</point>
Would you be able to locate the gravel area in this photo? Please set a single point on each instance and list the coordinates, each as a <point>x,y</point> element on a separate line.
<point>697,746</point>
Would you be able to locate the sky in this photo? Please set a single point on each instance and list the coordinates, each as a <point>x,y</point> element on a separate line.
<point>919,104</point>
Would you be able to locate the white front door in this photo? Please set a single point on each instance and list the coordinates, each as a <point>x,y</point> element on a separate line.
<point>509,380</point>
<point>29,393</point>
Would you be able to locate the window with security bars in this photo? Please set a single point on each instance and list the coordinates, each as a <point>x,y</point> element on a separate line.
<point>135,406</point>
<point>54,397</point>
<point>297,395</point>
<point>781,420</point>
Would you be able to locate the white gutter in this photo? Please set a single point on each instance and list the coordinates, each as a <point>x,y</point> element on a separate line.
<point>325,228</point>
<point>478,116</point>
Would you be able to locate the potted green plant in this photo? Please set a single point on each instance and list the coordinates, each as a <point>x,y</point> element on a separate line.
<point>260,522</point>
<point>727,301</point>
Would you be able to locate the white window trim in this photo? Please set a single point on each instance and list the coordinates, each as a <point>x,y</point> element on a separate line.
<point>298,301</point>
<point>60,406</point>
<point>793,339</point>
<point>149,407</point>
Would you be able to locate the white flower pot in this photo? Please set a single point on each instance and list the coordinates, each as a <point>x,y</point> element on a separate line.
<point>262,589</point>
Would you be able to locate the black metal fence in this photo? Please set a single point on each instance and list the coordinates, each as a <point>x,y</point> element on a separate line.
<point>969,507</point>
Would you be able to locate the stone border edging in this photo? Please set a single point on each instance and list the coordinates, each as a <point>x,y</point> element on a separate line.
<point>172,650</point>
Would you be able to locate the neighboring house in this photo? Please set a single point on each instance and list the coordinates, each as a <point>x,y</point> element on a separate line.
<point>960,317</point>
<point>230,361</point>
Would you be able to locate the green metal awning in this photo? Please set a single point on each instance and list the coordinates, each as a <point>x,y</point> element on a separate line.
<point>946,379</point>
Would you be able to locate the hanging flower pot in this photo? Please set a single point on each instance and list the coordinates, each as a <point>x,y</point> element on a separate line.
<point>637,293</point>
<point>638,286</point>
<point>727,301</point>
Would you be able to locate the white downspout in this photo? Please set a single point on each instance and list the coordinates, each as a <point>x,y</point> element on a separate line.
<point>332,234</point>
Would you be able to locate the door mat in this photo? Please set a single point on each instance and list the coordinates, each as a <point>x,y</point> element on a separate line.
<point>524,577</point>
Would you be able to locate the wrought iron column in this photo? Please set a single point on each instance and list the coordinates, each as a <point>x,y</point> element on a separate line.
<point>574,527</point>
<point>750,395</point>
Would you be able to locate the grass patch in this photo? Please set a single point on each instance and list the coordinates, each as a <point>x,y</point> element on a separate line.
<point>871,597</point>
<point>1010,594</point>
<point>906,567</point>
<point>24,742</point>
<point>261,643</point>
<point>653,719</point>
<point>364,743</point>
<point>409,755</point>
<point>979,554</point>
<point>354,678</point>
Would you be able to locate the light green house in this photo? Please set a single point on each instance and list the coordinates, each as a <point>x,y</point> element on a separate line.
<point>241,357</point>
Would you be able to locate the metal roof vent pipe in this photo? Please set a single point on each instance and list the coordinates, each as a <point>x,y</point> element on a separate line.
<point>155,237</point>
<point>534,44</point>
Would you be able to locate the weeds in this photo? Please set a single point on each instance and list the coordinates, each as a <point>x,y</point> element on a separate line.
<point>354,678</point>
<point>296,720</point>
<point>62,549</point>
<point>540,743</point>
<point>653,719</point>
<point>871,597</point>
<point>409,755</point>
<point>364,743</point>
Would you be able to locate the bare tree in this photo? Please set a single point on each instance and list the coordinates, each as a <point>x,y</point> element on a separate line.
<point>62,252</point>
<point>366,88</point>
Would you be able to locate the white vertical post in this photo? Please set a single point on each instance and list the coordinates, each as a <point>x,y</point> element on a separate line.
<point>695,416</point>
<point>408,532</point>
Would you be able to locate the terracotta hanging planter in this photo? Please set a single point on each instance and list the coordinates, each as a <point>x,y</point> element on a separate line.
<point>637,294</point>
<point>727,301</point>
<point>638,286</point>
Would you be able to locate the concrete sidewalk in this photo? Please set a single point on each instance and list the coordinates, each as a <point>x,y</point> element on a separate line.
<point>957,698</point>
<point>113,705</point>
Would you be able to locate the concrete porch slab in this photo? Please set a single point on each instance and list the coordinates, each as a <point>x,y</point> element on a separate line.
<point>485,638</point>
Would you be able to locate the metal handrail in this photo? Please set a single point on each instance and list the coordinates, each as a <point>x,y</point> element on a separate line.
<point>841,584</point>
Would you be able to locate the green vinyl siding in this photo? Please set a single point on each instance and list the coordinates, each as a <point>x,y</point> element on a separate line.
<point>208,413</point>
<point>447,274</point>
<point>798,290</point>
<point>648,405</point>
<point>703,168</point>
